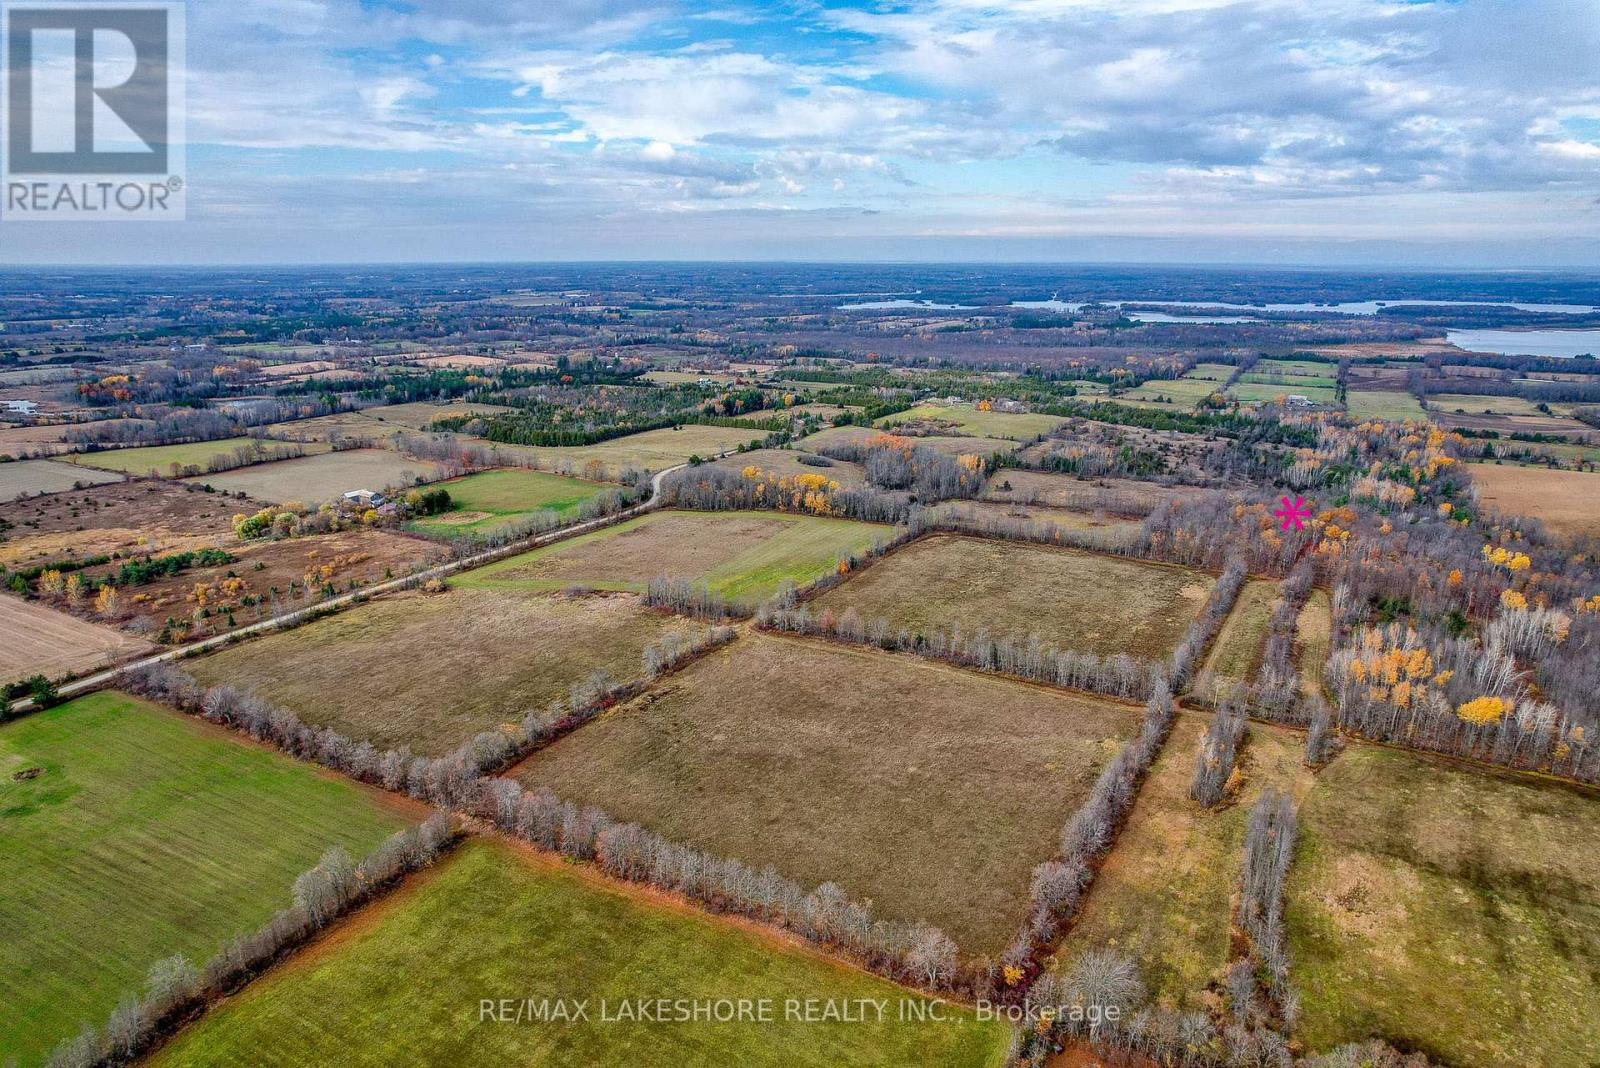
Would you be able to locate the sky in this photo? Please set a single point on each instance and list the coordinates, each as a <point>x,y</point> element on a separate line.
<point>1455,133</point>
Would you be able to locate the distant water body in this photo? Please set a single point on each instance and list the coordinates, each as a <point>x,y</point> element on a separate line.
<point>1558,343</point>
<point>1349,307</point>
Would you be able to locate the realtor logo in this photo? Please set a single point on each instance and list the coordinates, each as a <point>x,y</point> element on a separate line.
<point>93,108</point>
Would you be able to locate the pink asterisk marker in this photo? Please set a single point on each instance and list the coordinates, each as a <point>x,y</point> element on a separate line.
<point>1294,514</point>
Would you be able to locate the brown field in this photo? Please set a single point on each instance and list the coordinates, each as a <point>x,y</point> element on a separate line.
<point>1121,496</point>
<point>1567,502</point>
<point>313,479</point>
<point>1077,600</point>
<point>459,362</point>
<point>29,478</point>
<point>41,640</point>
<point>130,518</point>
<point>269,572</point>
<point>930,790</point>
<point>785,463</point>
<point>1506,425</point>
<point>353,425</point>
<point>419,414</point>
<point>1164,894</point>
<point>430,671</point>
<point>1104,529</point>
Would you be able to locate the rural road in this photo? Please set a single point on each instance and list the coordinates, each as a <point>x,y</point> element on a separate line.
<point>344,600</point>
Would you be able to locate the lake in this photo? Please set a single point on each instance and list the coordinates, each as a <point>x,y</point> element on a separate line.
<point>1564,343</point>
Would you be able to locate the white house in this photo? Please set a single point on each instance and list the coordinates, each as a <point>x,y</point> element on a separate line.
<point>363,498</point>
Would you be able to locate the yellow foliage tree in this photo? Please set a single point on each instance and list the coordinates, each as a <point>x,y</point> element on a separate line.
<point>1483,710</point>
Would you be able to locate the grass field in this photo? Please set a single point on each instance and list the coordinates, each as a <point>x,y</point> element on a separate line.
<point>431,671</point>
<point>1210,372</point>
<point>1078,600</point>
<point>1313,634</point>
<point>40,640</point>
<point>1455,912</point>
<point>930,790</point>
<point>1261,392</point>
<point>1183,392</point>
<point>744,556</point>
<point>1164,893</point>
<point>953,444</point>
<point>653,450</point>
<point>1567,502</point>
<point>785,463</point>
<point>1236,653</point>
<point>1386,404</point>
<point>160,458</point>
<point>969,420</point>
<point>1472,403</point>
<point>417,415</point>
<point>28,478</point>
<point>403,982</point>
<point>314,479</point>
<point>1125,496</point>
<point>488,500</point>
<point>146,835</point>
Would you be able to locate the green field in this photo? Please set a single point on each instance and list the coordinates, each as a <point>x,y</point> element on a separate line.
<point>430,671</point>
<point>1236,653</point>
<point>160,458</point>
<point>744,556</point>
<point>1448,910</point>
<point>1210,372</point>
<point>1076,600</point>
<point>146,834</point>
<point>1164,892</point>
<point>1313,634</point>
<point>405,983</point>
<point>1385,404</point>
<point>1251,392</point>
<point>1475,404</point>
<point>968,420</point>
<point>486,501</point>
<point>1185,392</point>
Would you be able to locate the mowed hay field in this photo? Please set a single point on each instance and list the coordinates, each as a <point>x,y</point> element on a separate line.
<point>28,478</point>
<point>930,790</point>
<point>1567,502</point>
<point>402,983</point>
<point>1077,600</point>
<point>431,670</point>
<point>488,500</point>
<point>1448,910</point>
<point>43,640</point>
<point>146,834</point>
<point>1385,404</point>
<point>744,556</point>
<point>314,479</point>
<point>1164,894</point>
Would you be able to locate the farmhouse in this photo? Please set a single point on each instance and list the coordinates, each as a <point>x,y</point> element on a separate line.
<point>363,498</point>
<point>21,407</point>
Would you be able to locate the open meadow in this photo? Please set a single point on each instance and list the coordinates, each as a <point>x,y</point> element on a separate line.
<point>1236,652</point>
<point>129,518</point>
<point>652,450</point>
<point>403,980</point>
<point>40,640</point>
<point>1567,502</point>
<point>931,790</point>
<point>966,419</point>
<point>163,460</point>
<point>1385,404</point>
<point>486,501</point>
<point>29,478</point>
<point>954,444</point>
<point>786,463</point>
<point>1453,911</point>
<point>431,670</point>
<point>1119,496</point>
<point>1073,599</point>
<point>418,414</point>
<point>144,834</point>
<point>314,479</point>
<point>744,556</point>
<point>1164,893</point>
<point>1313,635</point>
